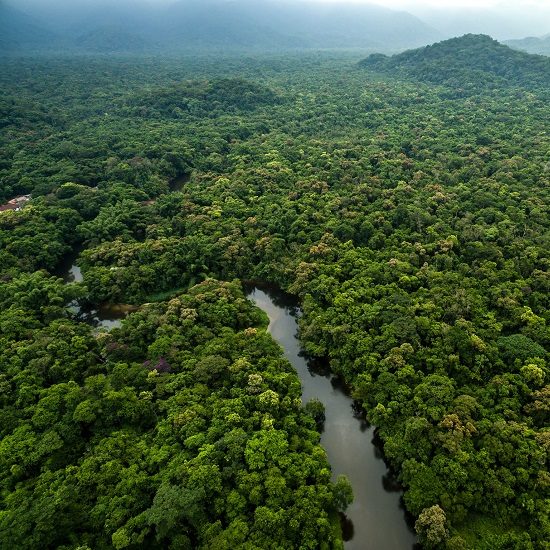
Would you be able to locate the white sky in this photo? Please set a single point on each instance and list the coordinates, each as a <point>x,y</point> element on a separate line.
<point>411,4</point>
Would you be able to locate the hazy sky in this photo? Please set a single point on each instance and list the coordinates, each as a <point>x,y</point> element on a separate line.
<point>502,19</point>
<point>400,4</point>
<point>523,17</point>
<point>442,4</point>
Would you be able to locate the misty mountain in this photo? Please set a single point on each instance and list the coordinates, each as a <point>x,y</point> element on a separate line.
<point>293,24</point>
<point>471,61</point>
<point>532,44</point>
<point>112,39</point>
<point>215,25</point>
<point>510,19</point>
<point>76,17</point>
<point>20,32</point>
<point>233,25</point>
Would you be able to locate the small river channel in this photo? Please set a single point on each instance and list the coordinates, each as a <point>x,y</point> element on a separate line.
<point>376,519</point>
<point>105,316</point>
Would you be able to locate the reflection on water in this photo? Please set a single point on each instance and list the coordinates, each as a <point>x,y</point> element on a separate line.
<point>376,519</point>
<point>106,316</point>
<point>73,275</point>
<point>348,531</point>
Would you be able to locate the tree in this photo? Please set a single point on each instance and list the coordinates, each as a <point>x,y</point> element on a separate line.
<point>431,526</point>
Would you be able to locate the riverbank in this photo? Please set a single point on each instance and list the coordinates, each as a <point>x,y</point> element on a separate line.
<point>376,519</point>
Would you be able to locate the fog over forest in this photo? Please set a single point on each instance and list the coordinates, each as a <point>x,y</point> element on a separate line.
<point>160,26</point>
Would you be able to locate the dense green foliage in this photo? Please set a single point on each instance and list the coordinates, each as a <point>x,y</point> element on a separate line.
<point>183,429</point>
<point>200,99</point>
<point>467,62</point>
<point>410,219</point>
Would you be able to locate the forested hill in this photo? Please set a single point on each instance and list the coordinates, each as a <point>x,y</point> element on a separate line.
<point>532,44</point>
<point>199,98</point>
<point>470,60</point>
<point>19,32</point>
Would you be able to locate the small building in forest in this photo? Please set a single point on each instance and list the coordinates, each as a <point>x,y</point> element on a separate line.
<point>15,204</point>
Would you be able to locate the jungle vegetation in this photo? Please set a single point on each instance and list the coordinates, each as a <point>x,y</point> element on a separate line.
<point>409,216</point>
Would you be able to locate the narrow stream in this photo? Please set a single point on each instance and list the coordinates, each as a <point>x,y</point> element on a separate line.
<point>106,316</point>
<point>375,520</point>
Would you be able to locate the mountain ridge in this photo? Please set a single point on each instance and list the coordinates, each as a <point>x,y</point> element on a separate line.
<point>214,25</point>
<point>469,60</point>
<point>531,44</point>
<point>21,32</point>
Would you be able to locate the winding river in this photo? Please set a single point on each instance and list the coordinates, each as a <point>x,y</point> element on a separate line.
<point>375,520</point>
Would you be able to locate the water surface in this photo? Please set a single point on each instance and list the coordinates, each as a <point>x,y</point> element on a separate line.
<point>105,316</point>
<point>376,519</point>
